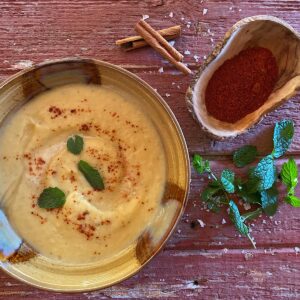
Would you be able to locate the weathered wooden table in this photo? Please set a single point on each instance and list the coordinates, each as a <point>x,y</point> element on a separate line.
<point>210,262</point>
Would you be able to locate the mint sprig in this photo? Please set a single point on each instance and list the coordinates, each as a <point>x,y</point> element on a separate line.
<point>282,137</point>
<point>91,175</point>
<point>259,187</point>
<point>244,156</point>
<point>289,177</point>
<point>51,197</point>
<point>75,144</point>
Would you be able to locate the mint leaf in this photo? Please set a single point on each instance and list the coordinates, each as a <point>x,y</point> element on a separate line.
<point>91,175</point>
<point>282,137</point>
<point>200,165</point>
<point>289,174</point>
<point>251,215</point>
<point>293,200</point>
<point>237,219</point>
<point>212,196</point>
<point>244,156</point>
<point>75,144</point>
<point>227,179</point>
<point>51,198</point>
<point>269,201</point>
<point>265,173</point>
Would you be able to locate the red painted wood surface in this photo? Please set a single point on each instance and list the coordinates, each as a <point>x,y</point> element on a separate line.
<point>212,262</point>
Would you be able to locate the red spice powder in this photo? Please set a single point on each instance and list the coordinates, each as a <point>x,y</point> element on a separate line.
<point>241,85</point>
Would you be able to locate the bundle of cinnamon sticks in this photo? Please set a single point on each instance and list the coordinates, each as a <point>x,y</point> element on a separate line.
<point>158,41</point>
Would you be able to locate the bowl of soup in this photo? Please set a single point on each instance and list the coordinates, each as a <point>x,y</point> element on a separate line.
<point>94,174</point>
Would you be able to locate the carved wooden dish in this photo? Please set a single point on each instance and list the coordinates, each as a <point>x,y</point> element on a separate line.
<point>34,268</point>
<point>262,31</point>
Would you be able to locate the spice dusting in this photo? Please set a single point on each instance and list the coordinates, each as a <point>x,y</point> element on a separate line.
<point>241,84</point>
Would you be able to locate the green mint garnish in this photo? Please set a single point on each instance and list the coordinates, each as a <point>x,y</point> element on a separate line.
<point>75,144</point>
<point>91,175</point>
<point>265,173</point>
<point>244,156</point>
<point>269,201</point>
<point>292,200</point>
<point>51,198</point>
<point>227,179</point>
<point>200,165</point>
<point>282,137</point>
<point>289,174</point>
<point>258,188</point>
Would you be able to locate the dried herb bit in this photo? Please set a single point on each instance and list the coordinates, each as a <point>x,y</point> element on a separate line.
<point>227,179</point>
<point>282,137</point>
<point>200,165</point>
<point>51,198</point>
<point>91,175</point>
<point>75,144</point>
<point>269,201</point>
<point>244,156</point>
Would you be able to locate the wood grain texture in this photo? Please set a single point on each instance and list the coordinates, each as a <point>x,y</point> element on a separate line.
<point>210,262</point>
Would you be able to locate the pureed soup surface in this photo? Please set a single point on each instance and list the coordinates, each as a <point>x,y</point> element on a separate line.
<point>119,141</point>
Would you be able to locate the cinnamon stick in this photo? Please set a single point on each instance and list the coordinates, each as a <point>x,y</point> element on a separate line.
<point>178,56</point>
<point>157,42</point>
<point>135,42</point>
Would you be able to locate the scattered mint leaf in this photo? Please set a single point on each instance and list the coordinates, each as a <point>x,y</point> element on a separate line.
<point>293,200</point>
<point>200,165</point>
<point>209,192</point>
<point>265,173</point>
<point>289,175</point>
<point>251,215</point>
<point>282,137</point>
<point>244,156</point>
<point>227,179</point>
<point>91,175</point>
<point>237,219</point>
<point>51,198</point>
<point>75,144</point>
<point>269,201</point>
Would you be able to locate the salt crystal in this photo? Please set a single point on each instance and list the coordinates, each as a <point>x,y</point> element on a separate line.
<point>230,8</point>
<point>224,221</point>
<point>248,256</point>
<point>188,25</point>
<point>240,9</point>
<point>171,15</point>
<point>277,222</point>
<point>297,250</point>
<point>173,83</point>
<point>172,43</point>
<point>212,40</point>
<point>179,231</point>
<point>182,18</point>
<point>161,70</point>
<point>225,250</point>
<point>145,17</point>
<point>168,95</point>
<point>205,11</point>
<point>196,58</point>
<point>264,221</point>
<point>247,206</point>
<point>187,52</point>
<point>201,223</point>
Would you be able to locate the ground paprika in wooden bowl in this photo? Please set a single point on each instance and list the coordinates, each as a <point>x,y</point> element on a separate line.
<point>250,73</point>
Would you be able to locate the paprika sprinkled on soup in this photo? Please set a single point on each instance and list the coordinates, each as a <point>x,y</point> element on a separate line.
<point>114,139</point>
<point>241,84</point>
